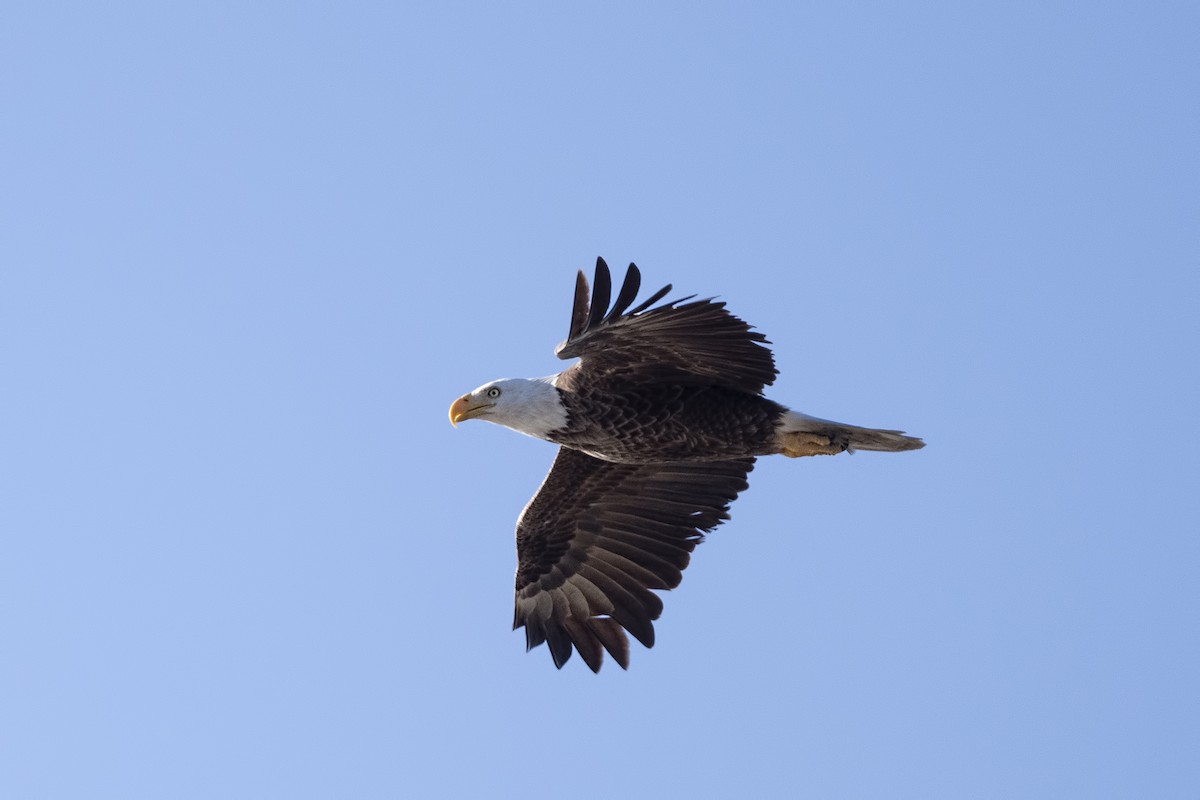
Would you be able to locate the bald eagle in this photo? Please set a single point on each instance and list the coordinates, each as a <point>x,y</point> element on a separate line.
<point>658,425</point>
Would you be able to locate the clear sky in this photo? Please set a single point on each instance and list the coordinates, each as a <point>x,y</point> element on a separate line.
<point>249,253</point>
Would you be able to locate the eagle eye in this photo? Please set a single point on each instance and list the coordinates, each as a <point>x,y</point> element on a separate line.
<point>493,392</point>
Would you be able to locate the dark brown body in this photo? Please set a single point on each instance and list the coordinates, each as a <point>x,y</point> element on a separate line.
<point>657,423</point>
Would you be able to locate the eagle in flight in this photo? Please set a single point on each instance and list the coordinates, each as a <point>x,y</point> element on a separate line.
<point>658,424</point>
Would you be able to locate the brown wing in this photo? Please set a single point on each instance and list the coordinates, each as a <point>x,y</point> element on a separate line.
<point>681,341</point>
<point>598,536</point>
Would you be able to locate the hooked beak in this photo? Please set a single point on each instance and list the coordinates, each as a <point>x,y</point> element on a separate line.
<point>462,408</point>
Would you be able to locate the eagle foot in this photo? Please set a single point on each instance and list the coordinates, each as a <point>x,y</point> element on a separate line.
<point>799,443</point>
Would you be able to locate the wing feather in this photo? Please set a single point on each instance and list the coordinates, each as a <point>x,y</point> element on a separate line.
<point>577,601</point>
<point>629,290</point>
<point>601,292</point>
<point>606,553</point>
<point>612,637</point>
<point>665,574</point>
<point>559,642</point>
<point>598,537</point>
<point>689,342</point>
<point>585,641</point>
<point>579,311</point>
<point>633,615</point>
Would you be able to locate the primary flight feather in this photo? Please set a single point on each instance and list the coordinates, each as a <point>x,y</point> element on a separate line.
<point>658,423</point>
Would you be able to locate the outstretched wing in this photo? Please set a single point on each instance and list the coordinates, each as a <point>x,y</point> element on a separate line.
<point>679,340</point>
<point>599,536</point>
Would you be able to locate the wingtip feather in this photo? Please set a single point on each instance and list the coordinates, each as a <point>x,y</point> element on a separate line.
<point>601,293</point>
<point>579,309</point>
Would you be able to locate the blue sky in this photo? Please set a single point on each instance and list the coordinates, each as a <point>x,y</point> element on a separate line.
<point>249,253</point>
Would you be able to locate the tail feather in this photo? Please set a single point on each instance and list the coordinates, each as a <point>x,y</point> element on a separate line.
<point>802,435</point>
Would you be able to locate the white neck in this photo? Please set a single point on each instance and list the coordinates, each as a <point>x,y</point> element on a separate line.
<point>529,405</point>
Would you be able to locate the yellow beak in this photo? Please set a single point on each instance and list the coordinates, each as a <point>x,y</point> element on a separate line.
<point>462,409</point>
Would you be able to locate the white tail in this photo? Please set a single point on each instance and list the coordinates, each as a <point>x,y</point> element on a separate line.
<point>802,435</point>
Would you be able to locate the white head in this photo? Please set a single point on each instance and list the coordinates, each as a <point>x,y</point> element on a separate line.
<point>529,405</point>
